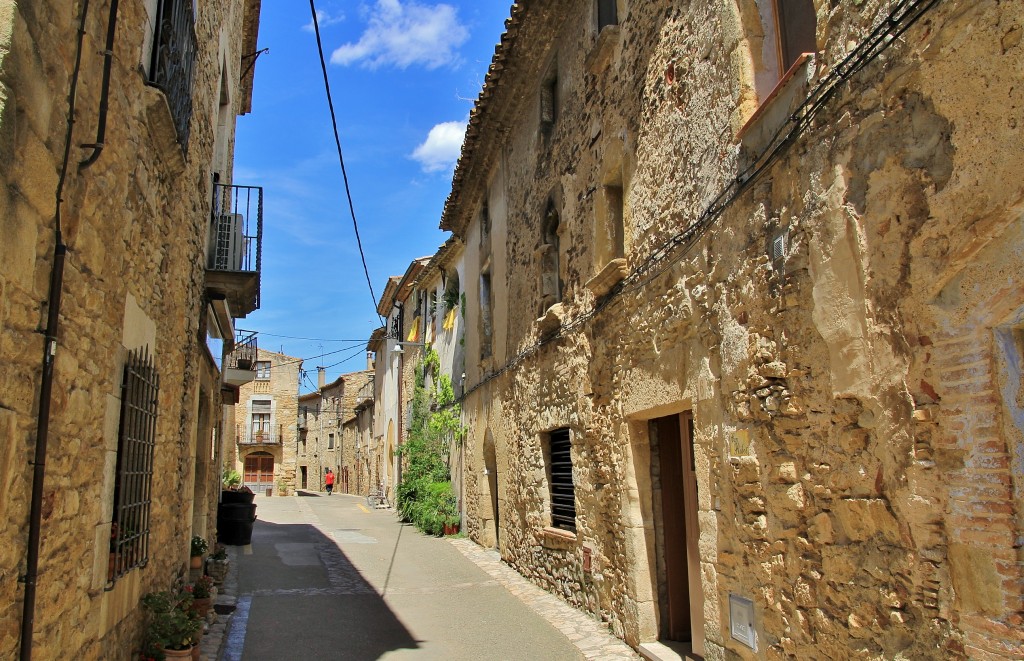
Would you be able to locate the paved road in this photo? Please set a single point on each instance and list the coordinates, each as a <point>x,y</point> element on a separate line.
<point>329,578</point>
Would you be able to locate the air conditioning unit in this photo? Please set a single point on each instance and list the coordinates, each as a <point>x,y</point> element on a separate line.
<point>230,242</point>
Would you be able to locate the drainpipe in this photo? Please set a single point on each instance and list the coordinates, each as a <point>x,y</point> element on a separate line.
<point>108,55</point>
<point>46,382</point>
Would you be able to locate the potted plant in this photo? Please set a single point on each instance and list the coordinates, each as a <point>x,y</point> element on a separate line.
<point>233,491</point>
<point>171,629</point>
<point>217,564</point>
<point>199,549</point>
<point>202,595</point>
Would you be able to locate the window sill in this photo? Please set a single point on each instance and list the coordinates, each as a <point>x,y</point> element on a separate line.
<point>757,132</point>
<point>551,320</point>
<point>161,129</point>
<point>612,274</point>
<point>556,538</point>
<point>603,52</point>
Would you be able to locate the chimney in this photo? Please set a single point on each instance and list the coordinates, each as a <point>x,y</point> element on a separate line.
<point>321,377</point>
<point>369,360</point>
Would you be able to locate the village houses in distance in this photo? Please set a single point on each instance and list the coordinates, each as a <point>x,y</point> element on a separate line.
<point>725,332</point>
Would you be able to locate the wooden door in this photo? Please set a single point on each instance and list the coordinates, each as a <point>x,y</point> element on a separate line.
<point>683,606</point>
<point>259,472</point>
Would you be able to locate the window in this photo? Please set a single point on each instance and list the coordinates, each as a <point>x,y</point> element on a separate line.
<point>607,14</point>
<point>133,477</point>
<point>485,229</point>
<point>330,441</point>
<point>549,103</point>
<point>262,370</point>
<point>797,25</point>
<point>563,493</point>
<point>173,58</point>
<point>260,427</point>
<point>486,323</point>
<point>550,260</point>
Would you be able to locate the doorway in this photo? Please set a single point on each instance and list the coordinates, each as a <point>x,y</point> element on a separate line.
<point>303,476</point>
<point>491,470</point>
<point>259,472</point>
<point>680,592</point>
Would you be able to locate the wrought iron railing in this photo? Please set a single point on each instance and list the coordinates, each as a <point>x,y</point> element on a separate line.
<point>238,228</point>
<point>174,55</point>
<point>245,435</point>
<point>243,357</point>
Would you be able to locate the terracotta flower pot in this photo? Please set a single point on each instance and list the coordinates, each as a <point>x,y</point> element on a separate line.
<point>179,654</point>
<point>196,562</point>
<point>202,606</point>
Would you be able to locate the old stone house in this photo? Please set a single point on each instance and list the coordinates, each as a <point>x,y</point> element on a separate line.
<point>264,425</point>
<point>357,433</point>
<point>116,137</point>
<point>744,307</point>
<point>356,385</point>
<point>319,433</point>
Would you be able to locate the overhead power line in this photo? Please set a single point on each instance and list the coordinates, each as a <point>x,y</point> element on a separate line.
<point>341,159</point>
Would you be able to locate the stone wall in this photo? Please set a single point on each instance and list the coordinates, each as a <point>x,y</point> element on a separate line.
<point>351,453</point>
<point>855,394</point>
<point>135,226</point>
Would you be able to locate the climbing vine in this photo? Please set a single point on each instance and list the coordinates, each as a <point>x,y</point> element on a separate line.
<point>425,495</point>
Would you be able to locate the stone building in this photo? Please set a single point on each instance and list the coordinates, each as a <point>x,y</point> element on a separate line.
<point>356,386</point>
<point>357,434</point>
<point>744,321</point>
<point>116,138</point>
<point>319,432</point>
<point>265,435</point>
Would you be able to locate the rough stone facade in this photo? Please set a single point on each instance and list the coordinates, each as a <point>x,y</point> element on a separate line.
<point>265,425</point>
<point>320,435</point>
<point>350,447</point>
<point>843,324</point>
<point>135,225</point>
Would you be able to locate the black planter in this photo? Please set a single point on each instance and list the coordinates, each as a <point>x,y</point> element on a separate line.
<point>234,523</point>
<point>236,497</point>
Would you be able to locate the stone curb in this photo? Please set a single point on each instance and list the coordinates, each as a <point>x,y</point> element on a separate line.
<point>590,637</point>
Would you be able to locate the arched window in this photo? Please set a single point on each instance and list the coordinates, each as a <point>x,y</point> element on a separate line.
<point>550,259</point>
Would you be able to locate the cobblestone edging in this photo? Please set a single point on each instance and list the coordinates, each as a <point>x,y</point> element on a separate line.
<point>589,636</point>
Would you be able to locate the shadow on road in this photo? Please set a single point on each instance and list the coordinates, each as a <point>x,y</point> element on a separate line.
<point>309,601</point>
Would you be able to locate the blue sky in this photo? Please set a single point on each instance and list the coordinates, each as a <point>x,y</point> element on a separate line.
<point>404,75</point>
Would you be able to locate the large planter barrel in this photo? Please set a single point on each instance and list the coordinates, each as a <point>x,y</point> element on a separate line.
<point>234,523</point>
<point>235,497</point>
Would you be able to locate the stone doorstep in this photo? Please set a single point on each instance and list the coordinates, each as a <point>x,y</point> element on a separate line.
<point>657,651</point>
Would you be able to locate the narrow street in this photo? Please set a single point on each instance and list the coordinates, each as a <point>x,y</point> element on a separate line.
<point>330,578</point>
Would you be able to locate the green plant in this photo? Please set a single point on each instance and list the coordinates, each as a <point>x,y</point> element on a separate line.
<point>451,299</point>
<point>220,552</point>
<point>199,546</point>
<point>425,496</point>
<point>231,478</point>
<point>201,589</point>
<point>169,623</point>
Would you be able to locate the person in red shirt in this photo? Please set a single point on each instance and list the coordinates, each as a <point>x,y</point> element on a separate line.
<point>329,481</point>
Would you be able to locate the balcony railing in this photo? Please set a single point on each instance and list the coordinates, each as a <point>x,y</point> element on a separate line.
<point>174,55</point>
<point>244,355</point>
<point>245,435</point>
<point>236,245</point>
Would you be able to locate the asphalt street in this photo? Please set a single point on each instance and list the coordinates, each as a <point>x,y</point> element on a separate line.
<point>331,578</point>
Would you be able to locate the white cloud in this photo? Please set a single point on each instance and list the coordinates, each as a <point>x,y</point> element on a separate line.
<point>324,19</point>
<point>400,34</point>
<point>441,149</point>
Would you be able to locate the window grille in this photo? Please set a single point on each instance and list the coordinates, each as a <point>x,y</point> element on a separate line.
<point>174,56</point>
<point>563,493</point>
<point>136,440</point>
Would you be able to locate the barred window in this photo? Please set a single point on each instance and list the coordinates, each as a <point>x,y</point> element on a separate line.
<point>136,440</point>
<point>563,493</point>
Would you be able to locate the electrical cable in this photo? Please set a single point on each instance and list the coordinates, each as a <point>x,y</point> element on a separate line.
<point>341,159</point>
<point>905,14</point>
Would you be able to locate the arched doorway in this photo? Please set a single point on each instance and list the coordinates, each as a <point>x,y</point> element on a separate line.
<point>491,470</point>
<point>259,472</point>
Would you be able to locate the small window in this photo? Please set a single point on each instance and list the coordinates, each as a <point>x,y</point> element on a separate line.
<point>262,370</point>
<point>550,259</point>
<point>607,14</point>
<point>485,228</point>
<point>563,492</point>
<point>133,477</point>
<point>549,103</point>
<point>797,24</point>
<point>486,314</point>
<point>330,441</point>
